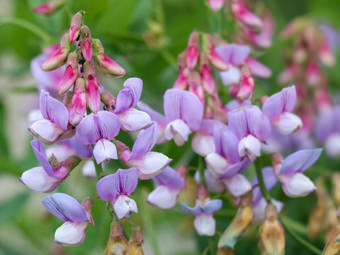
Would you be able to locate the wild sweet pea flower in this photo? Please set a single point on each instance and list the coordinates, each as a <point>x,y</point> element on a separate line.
<point>212,183</point>
<point>259,203</point>
<point>243,15</point>
<point>236,55</point>
<point>116,188</point>
<point>74,216</point>
<point>225,162</point>
<point>98,129</point>
<point>169,184</point>
<point>131,119</point>
<point>278,109</point>
<point>183,112</point>
<point>48,81</point>
<point>44,178</point>
<point>54,122</point>
<point>148,163</point>
<point>251,127</point>
<point>327,130</point>
<point>203,141</point>
<point>290,173</point>
<point>203,210</point>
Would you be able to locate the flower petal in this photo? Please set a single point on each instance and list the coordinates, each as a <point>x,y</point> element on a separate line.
<point>212,206</point>
<point>129,96</point>
<point>124,206</point>
<point>70,233</point>
<point>205,225</point>
<point>163,197</point>
<point>38,180</point>
<point>169,178</point>
<point>238,185</point>
<point>145,141</point>
<point>40,153</point>
<point>104,150</point>
<point>298,185</point>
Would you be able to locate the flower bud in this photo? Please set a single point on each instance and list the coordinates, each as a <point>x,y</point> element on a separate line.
<point>85,43</point>
<point>76,23</point>
<point>325,54</point>
<point>135,244</point>
<point>247,86</point>
<point>246,17</point>
<point>107,64</point>
<point>332,246</point>
<point>216,60</point>
<point>92,88</point>
<point>192,52</point>
<point>70,74</point>
<point>59,55</point>
<point>78,103</point>
<point>272,233</point>
<point>182,79</point>
<point>313,74</point>
<point>207,80</point>
<point>239,223</point>
<point>49,8</point>
<point>108,98</point>
<point>117,243</point>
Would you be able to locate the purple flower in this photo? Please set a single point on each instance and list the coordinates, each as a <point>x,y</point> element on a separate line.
<point>99,128</point>
<point>225,162</point>
<point>46,80</point>
<point>183,112</point>
<point>290,173</point>
<point>169,184</point>
<point>251,127</point>
<point>74,216</point>
<point>44,178</point>
<point>203,141</point>
<point>212,183</point>
<point>132,119</point>
<point>116,188</point>
<point>203,210</point>
<point>278,109</point>
<point>327,130</point>
<point>54,122</point>
<point>147,162</point>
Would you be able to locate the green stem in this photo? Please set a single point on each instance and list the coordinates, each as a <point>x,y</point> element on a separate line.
<point>149,226</point>
<point>99,169</point>
<point>34,29</point>
<point>296,226</point>
<point>262,185</point>
<point>300,240</point>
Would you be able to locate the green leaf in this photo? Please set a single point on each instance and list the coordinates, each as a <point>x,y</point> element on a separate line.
<point>13,205</point>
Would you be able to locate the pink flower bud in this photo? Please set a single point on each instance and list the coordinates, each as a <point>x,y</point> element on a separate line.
<point>313,74</point>
<point>194,87</point>
<point>246,88</point>
<point>288,74</point>
<point>216,60</point>
<point>325,54</point>
<point>70,74</point>
<point>85,43</point>
<point>216,5</point>
<point>59,55</point>
<point>207,80</point>
<point>182,79</point>
<point>246,17</point>
<point>78,103</point>
<point>107,64</point>
<point>76,23</point>
<point>192,52</point>
<point>49,8</point>
<point>93,94</point>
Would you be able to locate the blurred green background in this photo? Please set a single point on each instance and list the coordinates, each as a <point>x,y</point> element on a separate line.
<point>145,37</point>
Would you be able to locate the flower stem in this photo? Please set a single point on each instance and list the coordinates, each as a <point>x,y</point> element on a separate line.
<point>300,240</point>
<point>265,192</point>
<point>34,29</point>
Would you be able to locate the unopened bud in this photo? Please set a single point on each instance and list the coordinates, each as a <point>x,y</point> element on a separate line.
<point>135,244</point>
<point>76,23</point>
<point>49,8</point>
<point>192,52</point>
<point>117,243</point>
<point>70,74</point>
<point>108,98</point>
<point>78,103</point>
<point>272,233</point>
<point>325,54</point>
<point>85,43</point>
<point>216,60</point>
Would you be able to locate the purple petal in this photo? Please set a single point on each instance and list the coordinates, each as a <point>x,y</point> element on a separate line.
<point>170,178</point>
<point>65,208</point>
<point>236,168</point>
<point>238,185</point>
<point>269,180</point>
<point>234,104</point>
<point>94,127</point>
<point>207,126</point>
<point>212,206</point>
<point>258,124</point>
<point>233,53</point>
<point>155,116</point>
<point>258,69</point>
<point>82,150</point>
<point>283,101</point>
<point>53,110</point>
<point>299,161</point>
<point>123,182</point>
<point>145,141</point>
<point>327,124</point>
<point>40,153</point>
<point>130,95</point>
<point>163,197</point>
<point>184,105</point>
<point>191,210</point>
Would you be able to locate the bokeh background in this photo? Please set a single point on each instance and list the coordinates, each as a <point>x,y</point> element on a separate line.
<point>145,37</point>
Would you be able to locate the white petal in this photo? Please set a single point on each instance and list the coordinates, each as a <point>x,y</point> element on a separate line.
<point>216,163</point>
<point>238,185</point>
<point>70,233</point>
<point>203,144</point>
<point>249,146</point>
<point>231,76</point>
<point>163,197</point>
<point>104,150</point>
<point>151,164</point>
<point>34,115</point>
<point>89,170</point>
<point>288,123</point>
<point>332,145</point>
<point>133,120</point>
<point>297,185</point>
<point>124,206</point>
<point>37,179</point>
<point>61,152</point>
<point>205,225</point>
<point>177,130</point>
<point>45,130</point>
